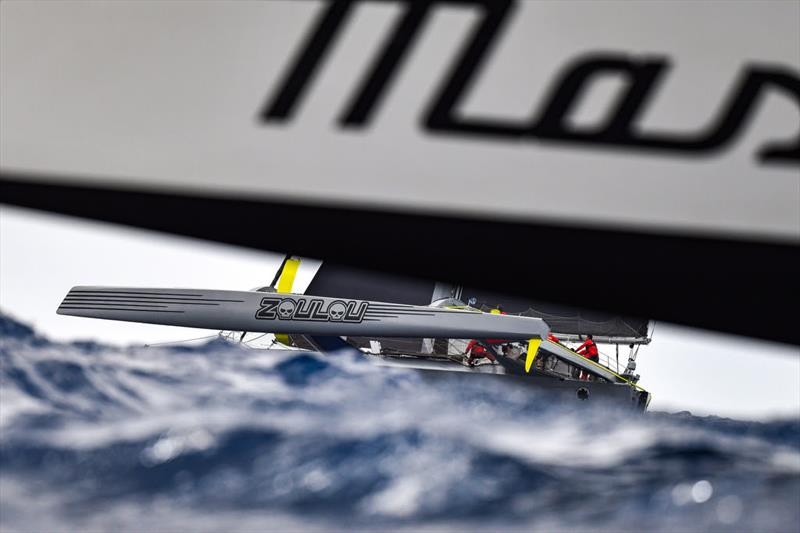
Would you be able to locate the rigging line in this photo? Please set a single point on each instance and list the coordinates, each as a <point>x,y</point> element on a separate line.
<point>609,361</point>
<point>269,347</point>
<point>273,343</point>
<point>247,343</point>
<point>454,358</point>
<point>450,344</point>
<point>178,342</point>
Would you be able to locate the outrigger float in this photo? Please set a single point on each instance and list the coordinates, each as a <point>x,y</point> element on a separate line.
<point>338,311</point>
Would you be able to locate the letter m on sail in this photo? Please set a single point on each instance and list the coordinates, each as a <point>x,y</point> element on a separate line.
<point>369,91</point>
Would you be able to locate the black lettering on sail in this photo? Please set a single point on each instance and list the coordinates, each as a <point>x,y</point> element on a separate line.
<point>372,85</point>
<point>642,75</point>
<point>381,73</point>
<point>440,116</point>
<point>315,48</point>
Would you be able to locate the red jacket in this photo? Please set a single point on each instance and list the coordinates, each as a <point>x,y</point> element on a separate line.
<point>588,349</point>
<point>475,350</point>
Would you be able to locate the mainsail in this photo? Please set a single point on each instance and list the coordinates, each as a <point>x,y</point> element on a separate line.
<point>567,322</point>
<point>564,320</point>
<point>336,280</point>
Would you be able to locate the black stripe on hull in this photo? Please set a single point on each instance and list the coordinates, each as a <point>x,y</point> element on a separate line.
<point>117,309</point>
<point>155,305</point>
<point>131,302</point>
<point>144,293</point>
<point>395,315</point>
<point>153,296</point>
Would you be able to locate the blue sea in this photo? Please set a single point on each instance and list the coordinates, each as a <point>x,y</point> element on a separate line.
<point>216,437</point>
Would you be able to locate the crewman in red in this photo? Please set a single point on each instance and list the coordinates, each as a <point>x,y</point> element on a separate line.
<point>476,350</point>
<point>589,350</point>
<point>553,338</point>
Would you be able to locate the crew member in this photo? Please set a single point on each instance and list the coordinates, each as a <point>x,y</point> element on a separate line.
<point>476,350</point>
<point>553,338</point>
<point>589,350</point>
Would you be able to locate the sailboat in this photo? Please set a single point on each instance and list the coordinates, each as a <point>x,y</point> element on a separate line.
<point>440,329</point>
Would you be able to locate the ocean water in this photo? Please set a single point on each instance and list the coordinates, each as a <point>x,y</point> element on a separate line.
<point>217,437</point>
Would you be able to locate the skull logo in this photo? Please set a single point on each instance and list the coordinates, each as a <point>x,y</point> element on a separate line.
<point>286,309</point>
<point>336,310</point>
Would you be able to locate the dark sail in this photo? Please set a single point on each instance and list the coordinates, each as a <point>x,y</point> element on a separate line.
<point>560,318</point>
<point>345,282</point>
<point>334,280</point>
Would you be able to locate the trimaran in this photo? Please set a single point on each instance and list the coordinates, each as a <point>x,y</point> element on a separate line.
<point>428,326</point>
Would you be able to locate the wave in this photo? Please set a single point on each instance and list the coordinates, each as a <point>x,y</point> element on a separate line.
<point>216,436</point>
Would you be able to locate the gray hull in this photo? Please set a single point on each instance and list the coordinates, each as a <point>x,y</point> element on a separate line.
<point>557,390</point>
<point>291,313</point>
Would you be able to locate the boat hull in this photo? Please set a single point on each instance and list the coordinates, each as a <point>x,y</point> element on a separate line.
<point>560,391</point>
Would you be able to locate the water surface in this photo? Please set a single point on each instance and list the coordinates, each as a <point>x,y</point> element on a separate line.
<point>217,437</point>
